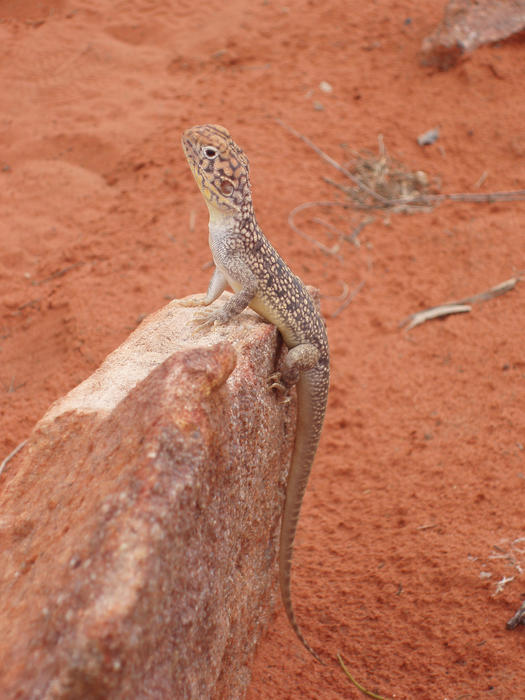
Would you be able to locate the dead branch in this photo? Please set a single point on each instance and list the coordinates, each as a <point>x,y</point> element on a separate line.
<point>333,162</point>
<point>334,250</point>
<point>500,585</point>
<point>350,295</point>
<point>338,297</point>
<point>330,228</point>
<point>496,291</point>
<point>510,196</point>
<point>58,273</point>
<point>460,306</point>
<point>404,205</point>
<point>410,199</point>
<point>517,619</point>
<point>352,237</point>
<point>435,312</point>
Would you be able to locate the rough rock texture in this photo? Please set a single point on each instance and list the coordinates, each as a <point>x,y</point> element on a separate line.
<point>467,25</point>
<point>139,524</point>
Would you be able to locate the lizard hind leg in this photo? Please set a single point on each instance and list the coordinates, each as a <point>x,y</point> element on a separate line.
<point>298,359</point>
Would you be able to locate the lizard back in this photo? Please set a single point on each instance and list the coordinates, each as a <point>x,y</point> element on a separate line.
<point>261,279</point>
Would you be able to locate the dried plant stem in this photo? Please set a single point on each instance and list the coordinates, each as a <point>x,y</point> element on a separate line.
<point>496,291</point>
<point>460,306</point>
<point>11,455</point>
<point>334,163</point>
<point>348,298</point>
<point>511,196</point>
<point>435,312</point>
<point>423,199</point>
<point>359,687</point>
<point>307,205</point>
<point>517,619</point>
<point>58,273</point>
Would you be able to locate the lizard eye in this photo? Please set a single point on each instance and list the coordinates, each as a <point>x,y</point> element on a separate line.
<point>210,152</point>
<point>226,187</point>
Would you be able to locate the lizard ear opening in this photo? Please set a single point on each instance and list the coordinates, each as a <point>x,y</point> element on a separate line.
<point>226,188</point>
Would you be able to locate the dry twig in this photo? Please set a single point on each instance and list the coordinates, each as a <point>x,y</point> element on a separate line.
<point>348,298</point>
<point>11,455</point>
<point>500,585</point>
<point>460,306</point>
<point>352,238</point>
<point>491,293</point>
<point>392,186</point>
<point>359,687</point>
<point>338,297</point>
<point>58,273</point>
<point>334,250</point>
<point>517,619</point>
<point>435,312</point>
<point>331,229</point>
<point>333,162</point>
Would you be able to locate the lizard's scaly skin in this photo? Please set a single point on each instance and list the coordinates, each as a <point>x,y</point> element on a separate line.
<point>246,260</point>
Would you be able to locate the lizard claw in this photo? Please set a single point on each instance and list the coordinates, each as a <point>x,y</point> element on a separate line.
<point>276,383</point>
<point>202,321</point>
<point>207,319</point>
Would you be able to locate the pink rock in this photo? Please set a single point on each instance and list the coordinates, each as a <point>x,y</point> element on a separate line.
<point>467,25</point>
<point>139,525</point>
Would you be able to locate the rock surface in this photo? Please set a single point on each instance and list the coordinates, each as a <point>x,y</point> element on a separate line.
<point>467,25</point>
<point>139,524</point>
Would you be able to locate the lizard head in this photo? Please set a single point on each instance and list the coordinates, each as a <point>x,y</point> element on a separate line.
<point>219,167</point>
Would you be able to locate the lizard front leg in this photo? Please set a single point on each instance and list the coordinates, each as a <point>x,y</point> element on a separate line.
<point>216,287</point>
<point>245,282</point>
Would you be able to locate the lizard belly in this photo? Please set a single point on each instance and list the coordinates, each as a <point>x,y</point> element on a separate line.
<point>258,304</point>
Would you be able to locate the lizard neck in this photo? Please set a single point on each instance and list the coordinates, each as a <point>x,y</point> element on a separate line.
<point>232,222</point>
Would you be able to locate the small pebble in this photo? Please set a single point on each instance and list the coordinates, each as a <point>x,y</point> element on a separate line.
<point>428,137</point>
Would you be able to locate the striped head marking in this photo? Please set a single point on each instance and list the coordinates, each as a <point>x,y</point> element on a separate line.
<point>219,167</point>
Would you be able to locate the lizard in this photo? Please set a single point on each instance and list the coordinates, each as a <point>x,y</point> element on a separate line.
<point>247,262</point>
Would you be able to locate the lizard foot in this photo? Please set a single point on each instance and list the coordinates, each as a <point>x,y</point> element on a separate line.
<point>207,319</point>
<point>274,382</point>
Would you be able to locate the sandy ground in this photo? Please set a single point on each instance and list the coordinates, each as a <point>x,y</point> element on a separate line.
<point>414,511</point>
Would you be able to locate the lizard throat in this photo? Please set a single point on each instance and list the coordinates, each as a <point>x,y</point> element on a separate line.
<point>234,219</point>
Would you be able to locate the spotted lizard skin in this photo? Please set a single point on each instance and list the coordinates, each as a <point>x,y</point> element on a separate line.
<point>247,262</point>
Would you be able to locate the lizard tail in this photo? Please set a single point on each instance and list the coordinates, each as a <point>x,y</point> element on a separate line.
<point>310,415</point>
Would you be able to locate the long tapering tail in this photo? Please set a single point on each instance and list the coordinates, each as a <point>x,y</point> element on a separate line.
<point>312,391</point>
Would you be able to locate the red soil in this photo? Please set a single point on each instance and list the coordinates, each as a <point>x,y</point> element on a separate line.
<point>419,482</point>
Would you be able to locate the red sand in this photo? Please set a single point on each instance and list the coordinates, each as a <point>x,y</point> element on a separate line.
<point>419,481</point>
